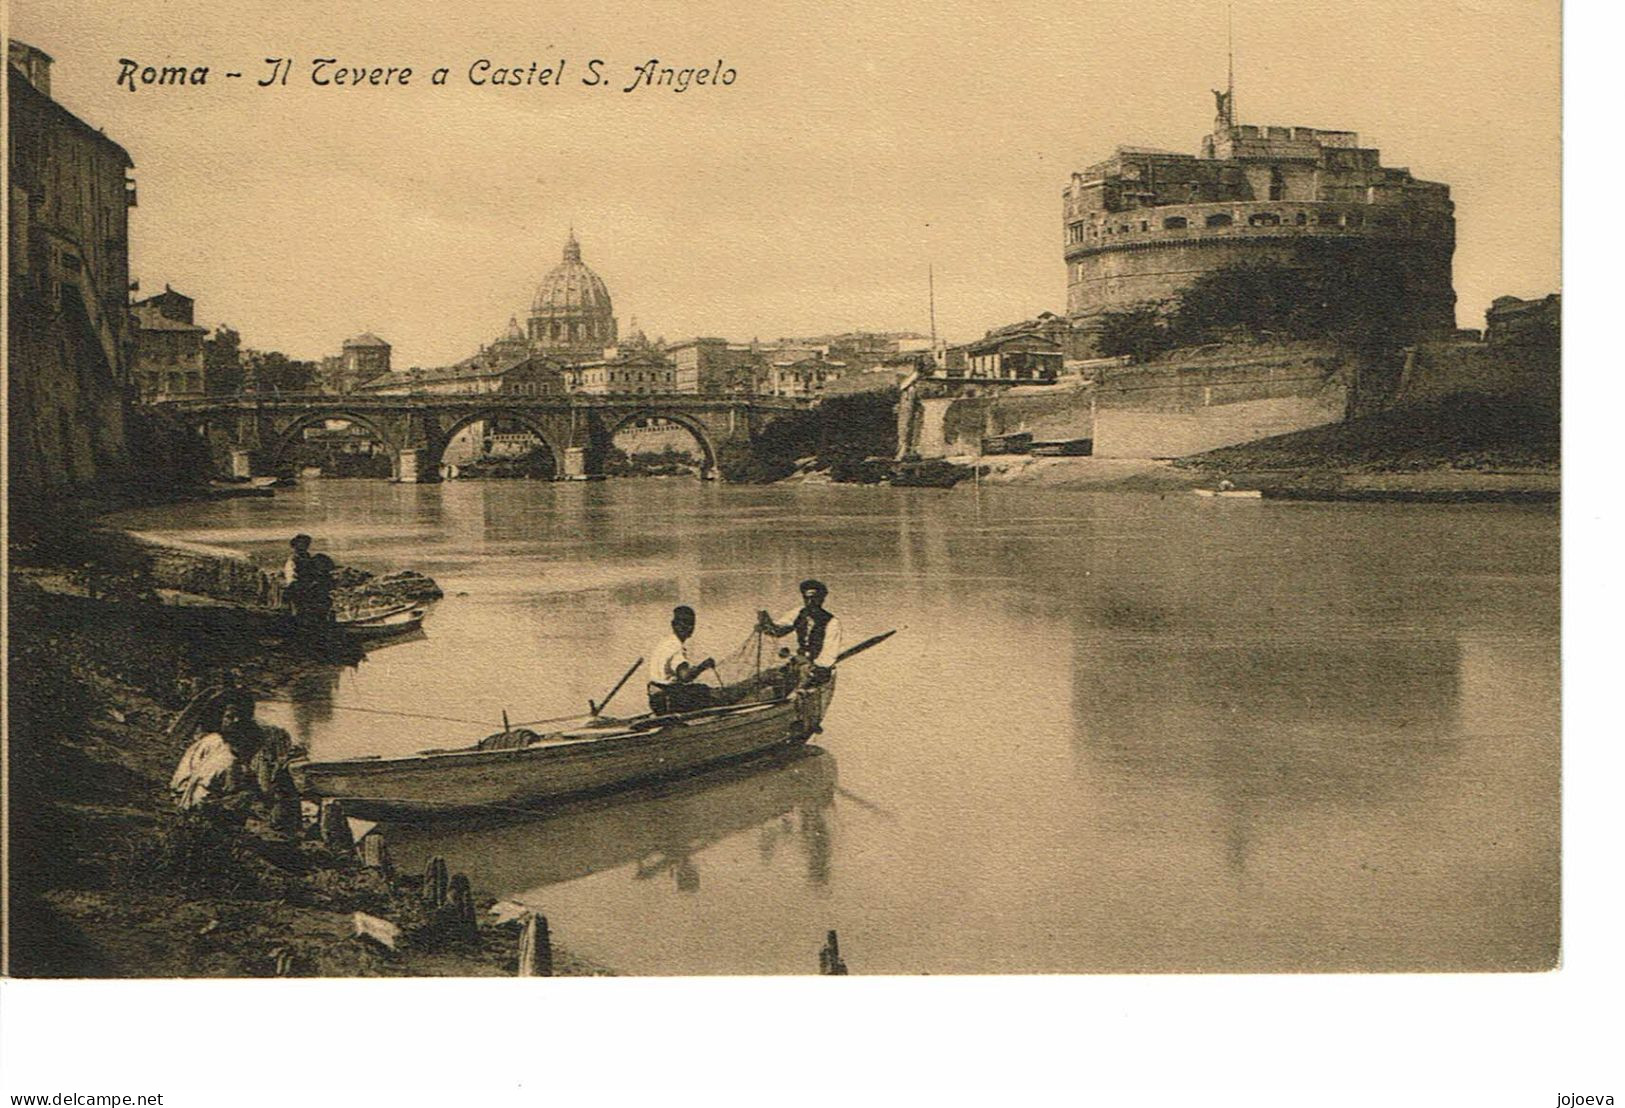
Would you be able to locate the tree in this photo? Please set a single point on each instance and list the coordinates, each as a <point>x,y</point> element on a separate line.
<point>1139,332</point>
<point>274,371</point>
<point>222,361</point>
<point>1361,298</point>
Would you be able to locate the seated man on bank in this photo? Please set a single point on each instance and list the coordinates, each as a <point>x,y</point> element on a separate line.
<point>673,678</point>
<point>239,763</point>
<point>818,634</point>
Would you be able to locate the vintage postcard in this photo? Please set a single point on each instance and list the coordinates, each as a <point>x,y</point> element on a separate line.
<point>783,490</point>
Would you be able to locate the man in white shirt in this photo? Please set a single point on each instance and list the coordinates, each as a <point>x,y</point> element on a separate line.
<point>672,676</point>
<point>818,632</point>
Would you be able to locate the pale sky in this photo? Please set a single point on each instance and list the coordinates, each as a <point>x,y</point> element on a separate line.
<point>858,143</point>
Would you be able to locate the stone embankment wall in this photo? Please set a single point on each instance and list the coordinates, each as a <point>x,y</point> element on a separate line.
<point>210,571</point>
<point>1195,400</point>
<point>1208,398</point>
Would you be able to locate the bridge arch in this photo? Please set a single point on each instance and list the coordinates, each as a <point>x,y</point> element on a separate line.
<point>437,449</point>
<point>288,435</point>
<point>695,427</point>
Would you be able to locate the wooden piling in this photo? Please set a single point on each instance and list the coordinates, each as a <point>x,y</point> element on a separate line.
<point>335,829</point>
<point>461,898</point>
<point>535,947</point>
<point>375,854</point>
<point>434,883</point>
<point>829,958</point>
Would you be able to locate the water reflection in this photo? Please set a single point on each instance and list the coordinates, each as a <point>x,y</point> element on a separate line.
<point>312,696</point>
<point>1266,728</point>
<point>660,832</point>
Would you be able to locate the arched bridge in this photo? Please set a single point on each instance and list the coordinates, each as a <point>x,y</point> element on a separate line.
<point>577,429</point>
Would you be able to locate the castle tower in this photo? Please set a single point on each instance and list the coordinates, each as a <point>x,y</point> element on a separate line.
<point>1142,225</point>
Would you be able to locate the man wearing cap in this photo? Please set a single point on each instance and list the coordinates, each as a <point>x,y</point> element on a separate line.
<point>818,633</point>
<point>672,676</point>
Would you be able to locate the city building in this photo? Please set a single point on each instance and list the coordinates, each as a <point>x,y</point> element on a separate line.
<point>169,348</point>
<point>634,373</point>
<point>1026,358</point>
<point>1512,320</point>
<point>70,331</point>
<point>803,377</point>
<point>483,374</point>
<point>1141,226</point>
<point>361,359</point>
<point>714,367</point>
<point>572,315</point>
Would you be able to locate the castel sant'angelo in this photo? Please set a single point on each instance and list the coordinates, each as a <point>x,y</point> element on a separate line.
<point>1142,225</point>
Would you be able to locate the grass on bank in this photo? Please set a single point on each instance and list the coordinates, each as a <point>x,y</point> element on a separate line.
<point>1464,431</point>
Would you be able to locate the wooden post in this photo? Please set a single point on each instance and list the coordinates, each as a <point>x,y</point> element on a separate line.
<point>335,830</point>
<point>829,958</point>
<point>434,883</point>
<point>375,854</point>
<point>535,947</point>
<point>461,897</point>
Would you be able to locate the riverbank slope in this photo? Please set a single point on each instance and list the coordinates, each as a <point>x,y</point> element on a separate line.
<point>106,880</point>
<point>1464,446</point>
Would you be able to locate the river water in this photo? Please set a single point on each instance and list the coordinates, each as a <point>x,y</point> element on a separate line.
<point>1116,732</point>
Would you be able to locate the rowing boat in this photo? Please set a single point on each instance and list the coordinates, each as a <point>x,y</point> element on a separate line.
<point>1230,494</point>
<point>590,756</point>
<point>384,625</point>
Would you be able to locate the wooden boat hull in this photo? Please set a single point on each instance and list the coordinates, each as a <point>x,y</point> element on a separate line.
<point>592,759</point>
<point>381,627</point>
<point>512,856</point>
<point>1068,448</point>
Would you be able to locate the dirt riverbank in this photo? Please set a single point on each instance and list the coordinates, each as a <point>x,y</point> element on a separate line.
<point>107,880</point>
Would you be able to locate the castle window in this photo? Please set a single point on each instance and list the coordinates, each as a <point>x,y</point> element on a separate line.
<point>1302,218</point>
<point>1219,219</point>
<point>1175,223</point>
<point>1145,225</point>
<point>1277,185</point>
<point>1328,219</point>
<point>1264,219</point>
<point>1074,232</point>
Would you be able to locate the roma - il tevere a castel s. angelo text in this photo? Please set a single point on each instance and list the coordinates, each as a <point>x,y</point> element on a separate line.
<point>323,72</point>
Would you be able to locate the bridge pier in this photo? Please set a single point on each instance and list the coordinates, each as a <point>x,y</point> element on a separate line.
<point>412,467</point>
<point>575,463</point>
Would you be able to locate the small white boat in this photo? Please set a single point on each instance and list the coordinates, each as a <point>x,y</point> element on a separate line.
<point>382,625</point>
<point>1231,494</point>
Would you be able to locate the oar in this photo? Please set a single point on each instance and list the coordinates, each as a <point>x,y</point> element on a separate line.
<point>862,646</point>
<point>625,677</point>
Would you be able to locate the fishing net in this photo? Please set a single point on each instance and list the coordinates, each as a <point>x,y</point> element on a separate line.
<point>756,666</point>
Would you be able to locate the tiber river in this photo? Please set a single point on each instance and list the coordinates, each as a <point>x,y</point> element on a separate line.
<point>1116,732</point>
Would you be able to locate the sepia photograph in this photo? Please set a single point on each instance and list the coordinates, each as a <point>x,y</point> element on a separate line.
<point>775,491</point>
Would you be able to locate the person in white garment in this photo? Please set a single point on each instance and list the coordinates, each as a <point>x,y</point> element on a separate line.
<point>673,677</point>
<point>817,631</point>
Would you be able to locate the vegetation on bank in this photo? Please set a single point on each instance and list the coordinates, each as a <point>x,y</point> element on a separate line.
<point>667,462</point>
<point>1464,431</point>
<point>844,433</point>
